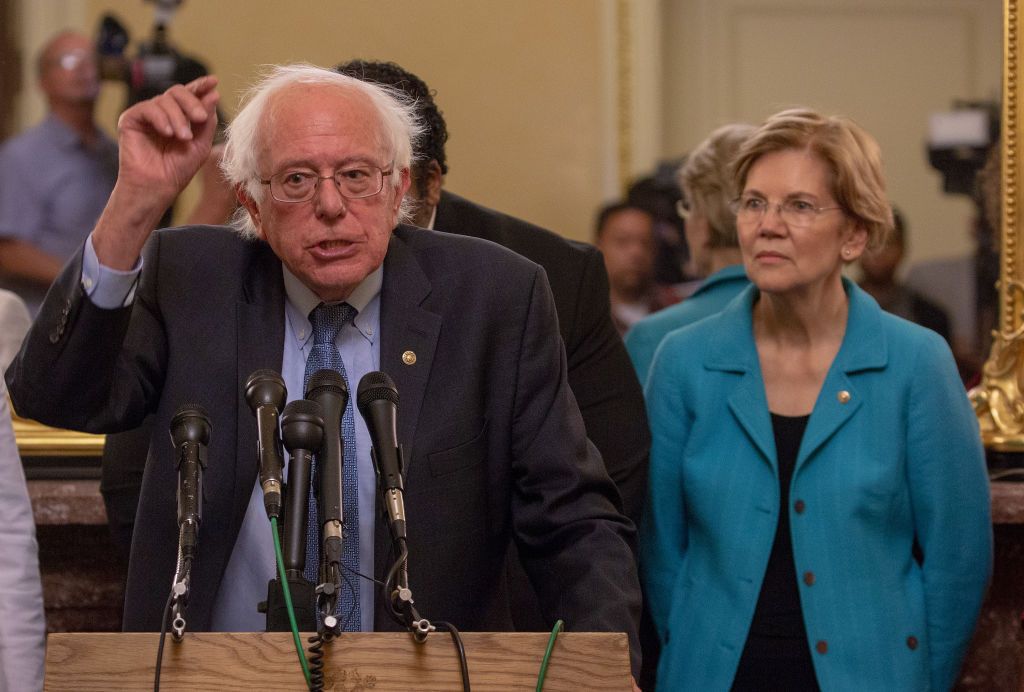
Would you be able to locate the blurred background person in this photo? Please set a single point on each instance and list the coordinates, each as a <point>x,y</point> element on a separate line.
<point>659,195</point>
<point>879,270</point>
<point>14,324</point>
<point>818,514</point>
<point>707,190</point>
<point>624,233</point>
<point>56,177</point>
<point>22,623</point>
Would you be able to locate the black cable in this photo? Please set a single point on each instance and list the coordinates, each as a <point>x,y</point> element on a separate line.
<point>460,649</point>
<point>316,661</point>
<point>160,646</point>
<point>389,581</point>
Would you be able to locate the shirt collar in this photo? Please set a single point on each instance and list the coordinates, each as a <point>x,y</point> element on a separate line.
<point>59,132</point>
<point>300,301</point>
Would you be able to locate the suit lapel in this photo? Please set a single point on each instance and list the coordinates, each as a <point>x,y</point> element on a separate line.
<point>409,334</point>
<point>259,344</point>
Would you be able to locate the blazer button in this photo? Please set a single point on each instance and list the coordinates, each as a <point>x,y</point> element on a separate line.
<point>912,643</point>
<point>809,578</point>
<point>799,506</point>
<point>821,647</point>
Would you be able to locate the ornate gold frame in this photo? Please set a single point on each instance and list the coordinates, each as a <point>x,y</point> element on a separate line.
<point>999,399</point>
<point>38,440</point>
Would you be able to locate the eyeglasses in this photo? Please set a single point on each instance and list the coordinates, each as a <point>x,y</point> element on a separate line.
<point>70,60</point>
<point>300,184</point>
<point>798,213</point>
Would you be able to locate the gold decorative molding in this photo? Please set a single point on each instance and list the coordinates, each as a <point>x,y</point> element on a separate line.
<point>999,399</point>
<point>624,82</point>
<point>38,440</point>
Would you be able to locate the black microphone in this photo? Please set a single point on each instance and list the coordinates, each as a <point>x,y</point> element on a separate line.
<point>190,433</point>
<point>377,399</point>
<point>327,387</point>
<point>302,430</point>
<point>266,394</point>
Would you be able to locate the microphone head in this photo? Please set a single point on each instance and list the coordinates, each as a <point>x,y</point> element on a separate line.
<point>375,386</point>
<point>326,380</point>
<point>302,425</point>
<point>265,387</point>
<point>190,424</point>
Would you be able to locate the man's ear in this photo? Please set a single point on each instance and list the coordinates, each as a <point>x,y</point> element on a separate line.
<point>433,181</point>
<point>250,206</point>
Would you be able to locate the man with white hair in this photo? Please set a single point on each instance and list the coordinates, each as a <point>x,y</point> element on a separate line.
<point>495,446</point>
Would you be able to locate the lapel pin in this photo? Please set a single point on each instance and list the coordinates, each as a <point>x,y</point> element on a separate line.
<point>844,397</point>
<point>409,357</point>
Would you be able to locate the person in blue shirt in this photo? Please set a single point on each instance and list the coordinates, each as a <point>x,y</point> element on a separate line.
<point>56,177</point>
<point>818,509</point>
<point>706,182</point>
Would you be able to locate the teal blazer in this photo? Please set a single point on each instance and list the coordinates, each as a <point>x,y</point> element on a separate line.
<point>711,296</point>
<point>891,454</point>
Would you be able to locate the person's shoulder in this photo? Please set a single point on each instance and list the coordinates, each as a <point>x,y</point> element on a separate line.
<point>217,248</point>
<point>904,340</point>
<point>201,235</point>
<point>458,215</point>
<point>26,144</point>
<point>460,251</point>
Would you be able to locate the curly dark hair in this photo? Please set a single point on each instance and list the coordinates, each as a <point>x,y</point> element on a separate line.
<point>431,144</point>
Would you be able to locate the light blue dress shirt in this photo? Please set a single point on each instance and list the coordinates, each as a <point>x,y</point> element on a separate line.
<point>53,188</point>
<point>251,565</point>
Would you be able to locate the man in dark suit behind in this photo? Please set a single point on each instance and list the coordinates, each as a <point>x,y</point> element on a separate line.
<point>600,374</point>
<point>141,322</point>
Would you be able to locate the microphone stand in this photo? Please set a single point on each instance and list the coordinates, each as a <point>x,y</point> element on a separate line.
<point>302,428</point>
<point>179,596</point>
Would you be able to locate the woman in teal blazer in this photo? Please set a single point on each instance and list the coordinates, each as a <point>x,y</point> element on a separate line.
<point>818,512</point>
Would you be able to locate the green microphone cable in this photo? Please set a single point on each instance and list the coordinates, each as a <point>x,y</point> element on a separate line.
<point>288,602</point>
<point>559,625</point>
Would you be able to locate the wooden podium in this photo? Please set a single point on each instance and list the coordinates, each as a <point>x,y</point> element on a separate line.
<point>249,661</point>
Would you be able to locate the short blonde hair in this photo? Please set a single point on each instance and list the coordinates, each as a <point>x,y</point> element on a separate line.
<point>707,182</point>
<point>851,154</point>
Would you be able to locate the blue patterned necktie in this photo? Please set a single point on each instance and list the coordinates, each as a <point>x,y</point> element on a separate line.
<point>327,321</point>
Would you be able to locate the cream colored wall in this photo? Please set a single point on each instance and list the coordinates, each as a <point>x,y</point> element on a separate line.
<point>520,83</point>
<point>886,63</point>
<point>532,93</point>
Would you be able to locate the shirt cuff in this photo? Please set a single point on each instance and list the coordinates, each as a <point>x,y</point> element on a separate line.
<point>108,288</point>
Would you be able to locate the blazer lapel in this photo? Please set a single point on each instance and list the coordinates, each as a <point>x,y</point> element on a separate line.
<point>409,334</point>
<point>734,351</point>
<point>259,344</point>
<point>863,348</point>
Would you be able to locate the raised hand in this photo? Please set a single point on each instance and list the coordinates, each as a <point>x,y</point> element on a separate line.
<point>162,143</point>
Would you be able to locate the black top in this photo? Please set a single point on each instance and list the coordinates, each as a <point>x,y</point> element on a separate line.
<point>777,655</point>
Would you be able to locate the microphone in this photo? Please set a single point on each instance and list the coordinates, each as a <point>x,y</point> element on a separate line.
<point>190,433</point>
<point>377,399</point>
<point>302,430</point>
<point>266,395</point>
<point>327,387</point>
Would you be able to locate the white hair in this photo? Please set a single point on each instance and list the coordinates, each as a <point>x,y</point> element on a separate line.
<point>399,128</point>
